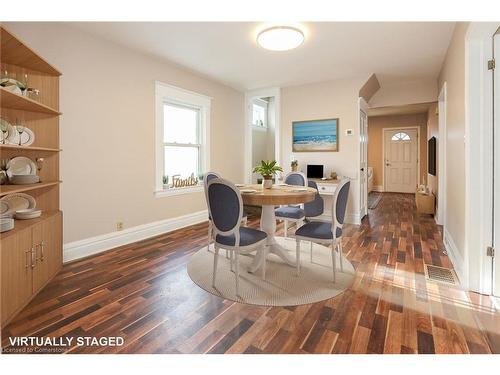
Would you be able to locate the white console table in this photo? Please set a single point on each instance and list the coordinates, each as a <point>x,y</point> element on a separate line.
<point>326,189</point>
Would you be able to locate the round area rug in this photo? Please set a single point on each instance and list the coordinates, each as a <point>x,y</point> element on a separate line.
<point>282,286</point>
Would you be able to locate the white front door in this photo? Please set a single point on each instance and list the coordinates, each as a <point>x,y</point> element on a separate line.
<point>363,173</point>
<point>400,160</point>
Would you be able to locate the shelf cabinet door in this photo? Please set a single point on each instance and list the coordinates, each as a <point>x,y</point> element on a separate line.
<point>48,249</point>
<point>16,272</point>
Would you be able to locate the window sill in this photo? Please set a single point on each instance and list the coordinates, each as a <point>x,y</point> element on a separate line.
<point>178,191</point>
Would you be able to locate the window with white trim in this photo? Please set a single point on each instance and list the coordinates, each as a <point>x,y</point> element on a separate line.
<point>182,147</point>
<point>259,113</point>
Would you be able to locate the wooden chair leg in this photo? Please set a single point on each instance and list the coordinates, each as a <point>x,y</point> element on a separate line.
<point>237,273</point>
<point>340,255</point>
<point>264,263</point>
<point>298,256</point>
<point>209,234</point>
<point>334,261</point>
<point>216,259</point>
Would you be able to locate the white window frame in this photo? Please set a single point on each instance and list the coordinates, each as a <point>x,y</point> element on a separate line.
<point>168,94</point>
<point>263,104</point>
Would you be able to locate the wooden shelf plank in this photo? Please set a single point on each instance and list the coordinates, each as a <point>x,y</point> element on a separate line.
<point>20,225</point>
<point>10,189</point>
<point>10,100</point>
<point>15,52</point>
<point>28,148</point>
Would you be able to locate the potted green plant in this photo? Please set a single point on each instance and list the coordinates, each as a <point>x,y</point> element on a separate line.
<point>294,164</point>
<point>267,169</point>
<point>165,183</point>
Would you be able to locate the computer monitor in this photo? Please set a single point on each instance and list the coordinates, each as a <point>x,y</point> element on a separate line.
<point>314,171</point>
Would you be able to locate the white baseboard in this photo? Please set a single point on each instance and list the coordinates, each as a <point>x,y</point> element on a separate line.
<point>94,245</point>
<point>378,188</point>
<point>353,219</point>
<point>457,261</point>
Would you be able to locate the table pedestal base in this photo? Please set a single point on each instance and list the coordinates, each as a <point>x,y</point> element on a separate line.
<point>268,225</point>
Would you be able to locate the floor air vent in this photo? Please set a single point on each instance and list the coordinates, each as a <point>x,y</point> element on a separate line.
<point>440,274</point>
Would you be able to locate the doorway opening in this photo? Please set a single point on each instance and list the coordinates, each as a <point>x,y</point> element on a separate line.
<point>398,148</point>
<point>262,130</point>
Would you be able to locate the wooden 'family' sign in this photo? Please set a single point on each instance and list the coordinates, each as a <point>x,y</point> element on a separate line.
<point>177,181</point>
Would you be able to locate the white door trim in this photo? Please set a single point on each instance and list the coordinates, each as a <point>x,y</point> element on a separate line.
<point>383,151</point>
<point>478,155</point>
<point>249,97</point>
<point>441,157</point>
<point>363,108</point>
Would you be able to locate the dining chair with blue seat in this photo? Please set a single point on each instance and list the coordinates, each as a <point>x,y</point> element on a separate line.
<point>208,177</point>
<point>292,213</point>
<point>226,210</point>
<point>315,208</point>
<point>329,233</point>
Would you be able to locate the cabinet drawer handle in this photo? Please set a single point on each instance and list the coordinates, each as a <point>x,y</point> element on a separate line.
<point>42,250</point>
<point>33,257</point>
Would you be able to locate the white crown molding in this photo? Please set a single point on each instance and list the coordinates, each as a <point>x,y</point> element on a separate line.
<point>95,245</point>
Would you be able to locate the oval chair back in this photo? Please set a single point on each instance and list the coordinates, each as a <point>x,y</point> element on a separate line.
<point>317,206</point>
<point>225,207</point>
<point>296,178</point>
<point>339,207</point>
<point>208,177</point>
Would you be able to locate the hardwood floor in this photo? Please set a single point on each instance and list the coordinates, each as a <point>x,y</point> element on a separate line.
<point>142,292</point>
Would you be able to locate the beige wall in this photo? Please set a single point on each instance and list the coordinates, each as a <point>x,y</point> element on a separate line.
<point>335,99</point>
<point>453,73</point>
<point>376,141</point>
<point>107,129</point>
<point>433,131</point>
<point>422,90</point>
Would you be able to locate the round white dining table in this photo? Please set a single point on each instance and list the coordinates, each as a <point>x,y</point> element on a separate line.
<point>269,199</point>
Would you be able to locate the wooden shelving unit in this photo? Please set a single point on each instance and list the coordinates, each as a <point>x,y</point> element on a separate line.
<point>11,189</point>
<point>27,148</point>
<point>15,101</point>
<point>31,253</point>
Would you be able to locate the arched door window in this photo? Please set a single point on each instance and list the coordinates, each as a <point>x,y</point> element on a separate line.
<point>400,137</point>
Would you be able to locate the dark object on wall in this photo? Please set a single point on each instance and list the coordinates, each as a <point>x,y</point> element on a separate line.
<point>314,171</point>
<point>432,156</point>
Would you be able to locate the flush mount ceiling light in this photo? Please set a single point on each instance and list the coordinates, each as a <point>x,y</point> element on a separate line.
<point>280,38</point>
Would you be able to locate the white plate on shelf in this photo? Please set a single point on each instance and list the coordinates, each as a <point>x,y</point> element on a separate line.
<point>11,135</point>
<point>27,214</point>
<point>5,210</point>
<point>19,201</point>
<point>21,165</point>
<point>27,137</point>
<point>6,224</point>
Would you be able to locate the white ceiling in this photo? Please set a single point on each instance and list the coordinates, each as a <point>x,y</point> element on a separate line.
<point>227,51</point>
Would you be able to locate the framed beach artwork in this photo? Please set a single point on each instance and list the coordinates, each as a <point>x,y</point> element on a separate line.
<point>315,135</point>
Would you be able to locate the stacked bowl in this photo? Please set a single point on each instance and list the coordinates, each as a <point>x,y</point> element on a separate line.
<point>6,224</point>
<point>24,179</point>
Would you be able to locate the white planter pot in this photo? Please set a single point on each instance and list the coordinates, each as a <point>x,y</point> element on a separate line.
<point>267,184</point>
